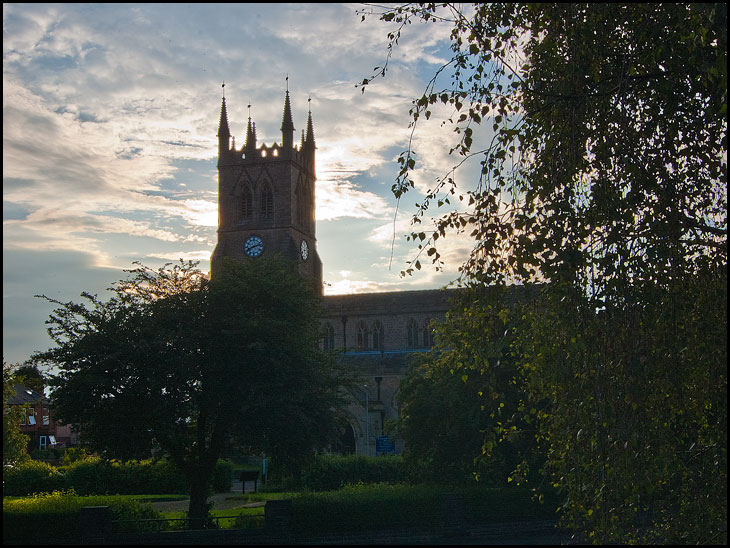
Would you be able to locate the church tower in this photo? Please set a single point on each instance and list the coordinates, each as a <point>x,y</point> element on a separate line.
<point>266,197</point>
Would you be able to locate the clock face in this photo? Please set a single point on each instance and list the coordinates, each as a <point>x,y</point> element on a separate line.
<point>304,248</point>
<point>254,246</point>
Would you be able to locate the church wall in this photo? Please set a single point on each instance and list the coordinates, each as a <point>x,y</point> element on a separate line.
<point>346,314</point>
<point>385,366</point>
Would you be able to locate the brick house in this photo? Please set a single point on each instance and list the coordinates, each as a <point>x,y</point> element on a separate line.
<point>38,423</point>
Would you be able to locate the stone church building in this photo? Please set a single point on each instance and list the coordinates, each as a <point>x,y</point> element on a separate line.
<point>266,206</point>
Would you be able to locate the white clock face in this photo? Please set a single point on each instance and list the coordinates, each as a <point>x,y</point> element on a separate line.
<point>304,248</point>
<point>254,246</point>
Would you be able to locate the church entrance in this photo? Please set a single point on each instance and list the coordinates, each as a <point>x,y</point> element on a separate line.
<point>346,444</point>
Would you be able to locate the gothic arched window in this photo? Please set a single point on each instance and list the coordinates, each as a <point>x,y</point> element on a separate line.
<point>329,337</point>
<point>363,335</point>
<point>412,333</point>
<point>378,342</point>
<point>427,333</point>
<point>245,203</point>
<point>299,204</point>
<point>267,201</point>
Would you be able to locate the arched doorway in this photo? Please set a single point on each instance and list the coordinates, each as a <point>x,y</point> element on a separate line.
<point>346,443</point>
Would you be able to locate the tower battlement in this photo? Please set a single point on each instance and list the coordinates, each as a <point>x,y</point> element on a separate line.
<point>266,197</point>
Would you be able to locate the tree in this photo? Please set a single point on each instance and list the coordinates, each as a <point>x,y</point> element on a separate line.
<point>479,428</point>
<point>192,366</point>
<point>15,443</point>
<point>600,132</point>
<point>28,375</point>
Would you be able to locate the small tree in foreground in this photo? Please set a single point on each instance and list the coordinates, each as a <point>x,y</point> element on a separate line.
<point>189,365</point>
<point>15,443</point>
<point>481,428</point>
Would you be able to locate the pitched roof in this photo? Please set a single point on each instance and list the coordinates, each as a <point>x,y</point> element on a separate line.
<point>400,302</point>
<point>24,394</point>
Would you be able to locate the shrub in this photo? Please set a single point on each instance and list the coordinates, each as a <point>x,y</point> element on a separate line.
<point>31,477</point>
<point>222,476</point>
<point>46,454</point>
<point>98,477</point>
<point>55,516</point>
<point>330,472</point>
<point>362,507</point>
<point>357,508</point>
<point>94,476</point>
<point>73,454</point>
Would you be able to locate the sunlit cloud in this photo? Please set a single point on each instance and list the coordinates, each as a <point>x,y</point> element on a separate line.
<point>110,116</point>
<point>348,287</point>
<point>201,256</point>
<point>201,212</point>
<point>338,199</point>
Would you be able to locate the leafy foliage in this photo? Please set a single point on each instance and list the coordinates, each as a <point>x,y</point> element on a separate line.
<point>30,477</point>
<point>357,508</point>
<point>600,132</point>
<point>28,375</point>
<point>606,150</point>
<point>95,476</point>
<point>15,443</point>
<point>478,429</point>
<point>332,472</point>
<point>55,516</point>
<point>195,365</point>
<point>637,421</point>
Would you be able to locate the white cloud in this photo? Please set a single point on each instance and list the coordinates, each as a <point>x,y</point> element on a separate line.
<point>347,287</point>
<point>201,255</point>
<point>201,212</point>
<point>337,199</point>
<point>105,106</point>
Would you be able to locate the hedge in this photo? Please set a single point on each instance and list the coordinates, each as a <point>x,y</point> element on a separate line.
<point>32,477</point>
<point>357,508</point>
<point>45,518</point>
<point>327,473</point>
<point>94,476</point>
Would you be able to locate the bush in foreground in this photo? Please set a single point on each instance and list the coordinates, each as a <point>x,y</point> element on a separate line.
<point>357,508</point>
<point>94,476</point>
<point>55,516</point>
<point>31,477</point>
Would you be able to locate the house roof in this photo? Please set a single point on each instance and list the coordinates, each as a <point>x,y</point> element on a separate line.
<point>24,394</point>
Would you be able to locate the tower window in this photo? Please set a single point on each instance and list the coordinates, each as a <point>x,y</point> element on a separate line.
<point>267,202</point>
<point>298,202</point>
<point>246,203</point>
<point>412,334</point>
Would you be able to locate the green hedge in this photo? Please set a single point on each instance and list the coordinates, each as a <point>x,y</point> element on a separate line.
<point>327,473</point>
<point>42,519</point>
<point>32,477</point>
<point>97,477</point>
<point>94,476</point>
<point>357,508</point>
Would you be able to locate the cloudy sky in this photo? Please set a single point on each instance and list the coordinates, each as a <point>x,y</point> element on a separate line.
<point>110,115</point>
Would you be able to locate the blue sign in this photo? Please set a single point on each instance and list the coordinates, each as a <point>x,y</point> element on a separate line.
<point>383,446</point>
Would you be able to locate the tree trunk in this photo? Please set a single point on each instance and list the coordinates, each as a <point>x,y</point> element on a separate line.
<point>198,509</point>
